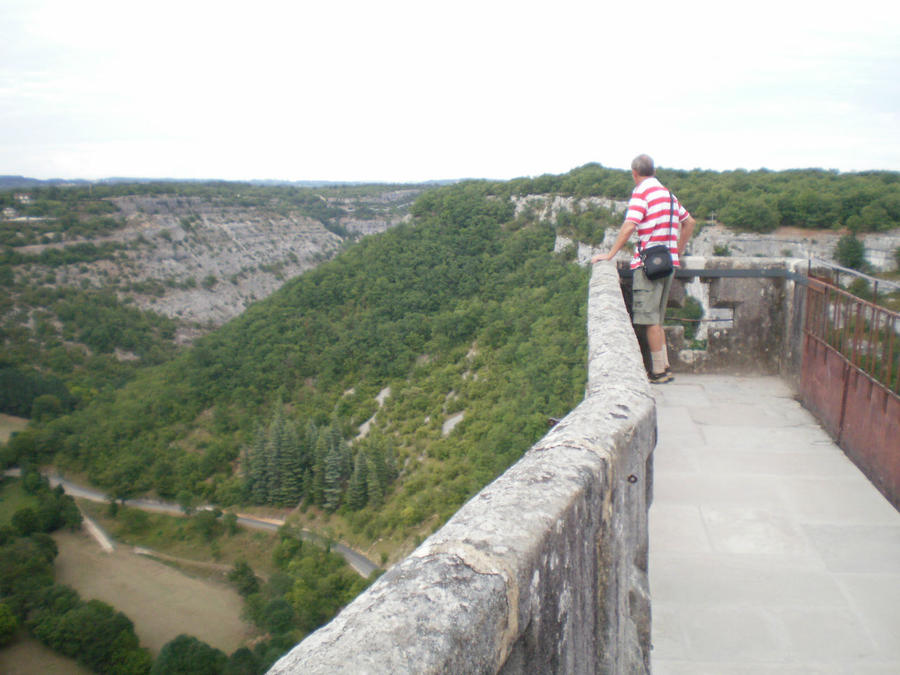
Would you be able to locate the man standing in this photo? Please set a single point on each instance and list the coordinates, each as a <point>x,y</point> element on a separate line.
<point>658,218</point>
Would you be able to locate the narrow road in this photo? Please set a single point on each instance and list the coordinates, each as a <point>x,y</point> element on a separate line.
<point>355,559</point>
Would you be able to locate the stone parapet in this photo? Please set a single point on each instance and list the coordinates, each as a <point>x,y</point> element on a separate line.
<point>545,570</point>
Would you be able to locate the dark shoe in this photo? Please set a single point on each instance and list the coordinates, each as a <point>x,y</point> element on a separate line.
<point>669,373</point>
<point>660,378</point>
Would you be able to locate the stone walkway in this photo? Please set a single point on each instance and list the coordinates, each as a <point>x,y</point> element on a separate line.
<point>769,551</point>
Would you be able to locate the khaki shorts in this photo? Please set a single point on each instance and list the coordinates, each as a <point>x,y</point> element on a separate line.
<point>649,298</point>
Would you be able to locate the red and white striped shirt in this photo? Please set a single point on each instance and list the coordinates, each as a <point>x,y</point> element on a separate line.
<point>650,209</point>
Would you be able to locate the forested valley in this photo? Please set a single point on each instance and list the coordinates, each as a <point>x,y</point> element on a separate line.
<point>366,399</point>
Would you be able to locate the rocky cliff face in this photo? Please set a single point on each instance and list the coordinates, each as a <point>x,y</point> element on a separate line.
<point>203,260</point>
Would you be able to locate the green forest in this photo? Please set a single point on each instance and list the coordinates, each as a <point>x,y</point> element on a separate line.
<point>465,310</point>
<point>753,201</point>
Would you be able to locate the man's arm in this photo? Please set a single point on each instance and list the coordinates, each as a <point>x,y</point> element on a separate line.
<point>687,229</point>
<point>628,228</point>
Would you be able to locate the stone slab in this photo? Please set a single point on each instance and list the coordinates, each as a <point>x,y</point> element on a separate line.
<point>770,553</point>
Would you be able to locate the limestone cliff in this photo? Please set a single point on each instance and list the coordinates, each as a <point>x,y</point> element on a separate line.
<point>203,260</point>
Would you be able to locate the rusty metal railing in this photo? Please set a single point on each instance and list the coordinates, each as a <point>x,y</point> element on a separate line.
<point>850,379</point>
<point>864,333</point>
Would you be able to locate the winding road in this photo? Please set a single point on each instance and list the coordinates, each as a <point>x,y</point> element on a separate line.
<point>355,559</point>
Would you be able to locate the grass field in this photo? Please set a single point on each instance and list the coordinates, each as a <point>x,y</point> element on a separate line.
<point>27,656</point>
<point>176,536</point>
<point>12,498</point>
<point>161,601</point>
<point>9,424</point>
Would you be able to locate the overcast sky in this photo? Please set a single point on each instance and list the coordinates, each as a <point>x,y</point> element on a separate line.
<point>415,90</point>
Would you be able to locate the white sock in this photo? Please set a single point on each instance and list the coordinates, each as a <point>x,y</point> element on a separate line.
<point>658,360</point>
<point>666,357</point>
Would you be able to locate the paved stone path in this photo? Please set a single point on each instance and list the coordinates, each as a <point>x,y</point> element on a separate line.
<point>769,551</point>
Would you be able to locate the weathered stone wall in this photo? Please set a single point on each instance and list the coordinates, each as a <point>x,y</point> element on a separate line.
<point>545,570</point>
<point>751,322</point>
<point>794,243</point>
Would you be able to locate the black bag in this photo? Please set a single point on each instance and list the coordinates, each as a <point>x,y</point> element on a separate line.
<point>657,260</point>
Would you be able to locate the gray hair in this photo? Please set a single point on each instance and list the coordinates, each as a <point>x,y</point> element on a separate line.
<point>642,165</point>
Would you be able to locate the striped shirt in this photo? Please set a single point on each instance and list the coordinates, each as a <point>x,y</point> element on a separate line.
<point>650,209</point>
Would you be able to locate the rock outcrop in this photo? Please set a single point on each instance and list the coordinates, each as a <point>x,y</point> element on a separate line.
<point>203,260</point>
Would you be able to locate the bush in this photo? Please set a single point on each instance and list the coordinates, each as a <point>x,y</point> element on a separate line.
<point>688,316</point>
<point>95,634</point>
<point>186,655</point>
<point>850,252</point>
<point>9,624</point>
<point>242,576</point>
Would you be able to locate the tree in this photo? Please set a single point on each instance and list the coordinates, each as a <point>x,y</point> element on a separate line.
<point>206,523</point>
<point>256,487</point>
<point>751,213</point>
<point>186,501</point>
<point>291,466</point>
<point>46,406</point>
<point>357,491</point>
<point>850,252</point>
<point>93,633</point>
<point>186,655</point>
<point>242,576</point>
<point>278,616</point>
<point>243,662</point>
<point>333,486</point>
<point>9,624</point>
<point>26,521</point>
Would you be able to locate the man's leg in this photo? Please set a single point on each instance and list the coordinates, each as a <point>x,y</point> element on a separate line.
<point>656,338</point>
<point>649,301</point>
<point>656,341</point>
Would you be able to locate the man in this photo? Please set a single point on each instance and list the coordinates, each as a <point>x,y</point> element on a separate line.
<point>657,220</point>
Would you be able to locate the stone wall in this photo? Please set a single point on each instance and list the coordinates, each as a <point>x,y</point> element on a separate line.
<point>879,247</point>
<point>545,570</point>
<point>752,312</point>
<point>752,315</point>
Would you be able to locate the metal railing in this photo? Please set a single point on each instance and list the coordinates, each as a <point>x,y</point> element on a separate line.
<point>864,333</point>
<point>838,271</point>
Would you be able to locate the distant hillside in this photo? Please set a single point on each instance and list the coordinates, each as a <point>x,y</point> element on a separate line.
<point>379,389</point>
<point>197,253</point>
<point>100,280</point>
<point>15,182</point>
<point>466,314</point>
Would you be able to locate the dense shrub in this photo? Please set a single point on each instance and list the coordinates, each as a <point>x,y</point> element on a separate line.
<point>850,252</point>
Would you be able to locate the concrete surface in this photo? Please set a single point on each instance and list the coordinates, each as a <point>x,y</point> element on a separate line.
<point>770,552</point>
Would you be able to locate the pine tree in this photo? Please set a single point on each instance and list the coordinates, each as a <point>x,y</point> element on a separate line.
<point>291,467</point>
<point>333,484</point>
<point>274,449</point>
<point>346,453</point>
<point>318,471</point>
<point>374,487</point>
<point>308,485</point>
<point>256,471</point>
<point>357,491</point>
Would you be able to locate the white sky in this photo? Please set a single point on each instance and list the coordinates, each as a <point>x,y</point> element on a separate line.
<point>403,90</point>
